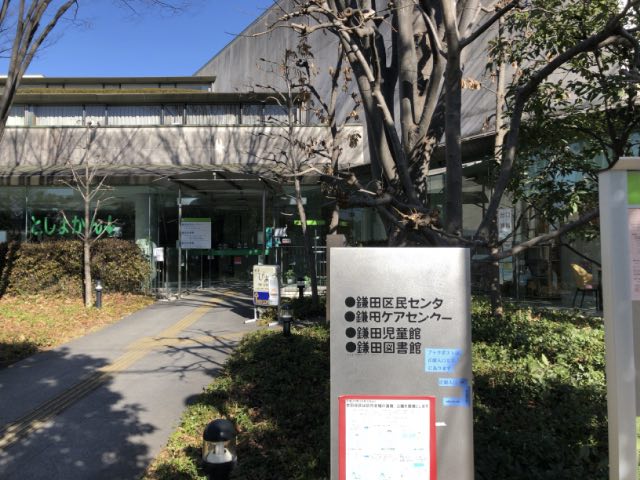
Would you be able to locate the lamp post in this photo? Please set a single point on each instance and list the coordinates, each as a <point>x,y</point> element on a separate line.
<point>219,449</point>
<point>300,283</point>
<point>286,318</point>
<point>98,293</point>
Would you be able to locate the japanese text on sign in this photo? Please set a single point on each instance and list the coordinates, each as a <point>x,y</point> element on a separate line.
<point>75,226</point>
<point>390,325</point>
<point>195,233</point>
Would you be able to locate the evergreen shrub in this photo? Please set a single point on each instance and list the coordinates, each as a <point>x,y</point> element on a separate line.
<point>303,308</point>
<point>539,402</point>
<point>539,395</point>
<point>55,267</point>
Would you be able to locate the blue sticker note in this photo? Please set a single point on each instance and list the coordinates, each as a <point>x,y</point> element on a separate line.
<point>464,400</point>
<point>263,295</point>
<point>441,360</point>
<point>452,382</point>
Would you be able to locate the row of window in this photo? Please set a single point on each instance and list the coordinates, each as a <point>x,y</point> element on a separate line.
<point>141,115</point>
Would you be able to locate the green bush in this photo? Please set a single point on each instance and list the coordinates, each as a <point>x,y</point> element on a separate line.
<point>56,267</point>
<point>303,308</point>
<point>539,395</point>
<point>539,402</point>
<point>120,264</point>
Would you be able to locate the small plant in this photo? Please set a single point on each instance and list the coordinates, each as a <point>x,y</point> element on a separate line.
<point>290,276</point>
<point>267,315</point>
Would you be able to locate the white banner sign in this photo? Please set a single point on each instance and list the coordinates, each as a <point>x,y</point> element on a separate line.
<point>195,233</point>
<point>634,251</point>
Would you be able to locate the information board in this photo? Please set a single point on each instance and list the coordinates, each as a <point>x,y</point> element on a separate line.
<point>384,437</point>
<point>195,233</point>
<point>266,285</point>
<point>401,327</point>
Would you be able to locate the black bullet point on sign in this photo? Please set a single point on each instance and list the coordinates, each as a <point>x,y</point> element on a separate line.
<point>349,316</point>
<point>351,347</point>
<point>351,332</point>
<point>350,302</point>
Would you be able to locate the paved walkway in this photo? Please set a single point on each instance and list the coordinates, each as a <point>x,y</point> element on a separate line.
<point>103,406</point>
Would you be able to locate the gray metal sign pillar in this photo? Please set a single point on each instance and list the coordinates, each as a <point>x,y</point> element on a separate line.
<point>401,404</point>
<point>620,238</point>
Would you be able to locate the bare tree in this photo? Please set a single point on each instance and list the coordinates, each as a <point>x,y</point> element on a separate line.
<point>294,155</point>
<point>25,25</point>
<point>418,49</point>
<point>326,111</point>
<point>90,182</point>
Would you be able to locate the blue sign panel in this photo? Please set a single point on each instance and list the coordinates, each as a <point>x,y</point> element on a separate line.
<point>441,360</point>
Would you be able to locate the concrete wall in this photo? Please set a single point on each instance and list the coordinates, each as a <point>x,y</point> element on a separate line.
<point>241,148</point>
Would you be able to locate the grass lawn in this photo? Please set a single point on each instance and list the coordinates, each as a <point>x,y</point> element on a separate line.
<point>539,403</point>
<point>32,323</point>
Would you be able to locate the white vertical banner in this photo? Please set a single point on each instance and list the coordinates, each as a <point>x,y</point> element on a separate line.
<point>634,251</point>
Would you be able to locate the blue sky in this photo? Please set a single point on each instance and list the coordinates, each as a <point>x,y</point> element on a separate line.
<point>108,40</point>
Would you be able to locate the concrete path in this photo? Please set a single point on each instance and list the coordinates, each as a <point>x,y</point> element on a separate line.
<point>103,406</point>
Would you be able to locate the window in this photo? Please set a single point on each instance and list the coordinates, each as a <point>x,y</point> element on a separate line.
<point>173,114</point>
<point>277,114</point>
<point>58,115</point>
<point>252,114</point>
<point>126,115</point>
<point>16,116</point>
<point>95,115</point>
<point>212,114</point>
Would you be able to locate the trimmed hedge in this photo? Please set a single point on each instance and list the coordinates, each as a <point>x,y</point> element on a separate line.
<point>539,395</point>
<point>539,402</point>
<point>56,267</point>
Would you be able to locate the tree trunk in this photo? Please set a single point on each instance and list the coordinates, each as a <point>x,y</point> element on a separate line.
<point>335,220</point>
<point>453,106</point>
<point>86,254</point>
<point>494,268</point>
<point>496,293</point>
<point>308,247</point>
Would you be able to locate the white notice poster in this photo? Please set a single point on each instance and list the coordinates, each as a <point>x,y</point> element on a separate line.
<point>634,251</point>
<point>195,233</point>
<point>158,254</point>
<point>387,437</point>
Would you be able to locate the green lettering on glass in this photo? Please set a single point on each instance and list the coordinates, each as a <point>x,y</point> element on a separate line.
<point>50,227</point>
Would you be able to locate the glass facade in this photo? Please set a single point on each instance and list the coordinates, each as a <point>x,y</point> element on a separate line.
<point>240,208</point>
<point>542,272</point>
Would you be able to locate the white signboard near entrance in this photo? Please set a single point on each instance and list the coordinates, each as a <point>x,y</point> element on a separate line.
<point>400,364</point>
<point>619,189</point>
<point>195,233</point>
<point>266,286</point>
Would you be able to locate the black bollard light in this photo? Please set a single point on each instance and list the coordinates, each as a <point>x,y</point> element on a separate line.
<point>219,449</point>
<point>98,293</point>
<point>286,318</point>
<point>300,284</point>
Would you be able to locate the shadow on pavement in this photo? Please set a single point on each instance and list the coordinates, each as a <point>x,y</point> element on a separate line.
<point>97,438</point>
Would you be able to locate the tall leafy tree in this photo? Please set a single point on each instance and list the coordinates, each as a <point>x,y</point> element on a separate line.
<point>579,120</point>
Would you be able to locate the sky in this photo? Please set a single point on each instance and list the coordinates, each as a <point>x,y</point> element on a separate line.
<point>107,39</point>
